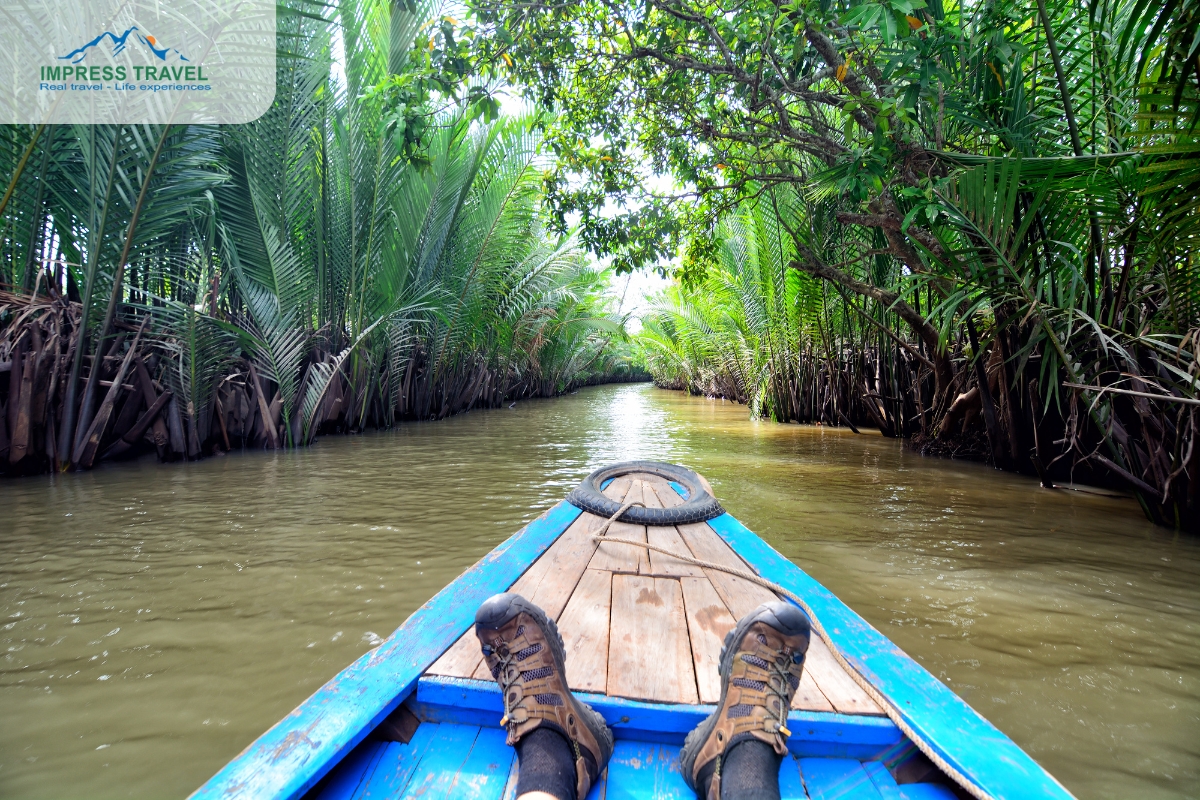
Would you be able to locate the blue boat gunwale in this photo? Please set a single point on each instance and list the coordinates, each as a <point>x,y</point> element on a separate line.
<point>943,720</point>
<point>295,753</point>
<point>466,701</point>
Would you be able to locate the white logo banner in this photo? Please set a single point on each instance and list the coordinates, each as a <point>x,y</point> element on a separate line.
<point>139,61</point>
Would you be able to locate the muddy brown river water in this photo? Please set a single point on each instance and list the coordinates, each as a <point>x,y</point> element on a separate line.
<point>155,619</point>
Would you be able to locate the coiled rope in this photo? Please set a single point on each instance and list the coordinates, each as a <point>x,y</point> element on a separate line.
<point>881,700</point>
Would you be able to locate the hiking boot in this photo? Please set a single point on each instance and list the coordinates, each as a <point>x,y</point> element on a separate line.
<point>760,667</point>
<point>525,653</point>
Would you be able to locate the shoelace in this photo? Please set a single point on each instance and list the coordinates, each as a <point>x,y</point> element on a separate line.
<point>506,675</point>
<point>778,668</point>
<point>778,680</point>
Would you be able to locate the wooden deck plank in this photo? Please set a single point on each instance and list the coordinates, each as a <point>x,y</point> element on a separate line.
<point>618,488</point>
<point>484,774</point>
<point>791,787</point>
<point>461,659</point>
<point>668,497</point>
<point>554,582</point>
<point>572,552</point>
<point>561,568</point>
<point>584,628</point>
<point>739,595</point>
<point>646,771</point>
<point>573,549</point>
<point>348,776</point>
<point>837,779</point>
<point>548,582</point>
<point>666,537</point>
<point>397,764</point>
<point>646,562</point>
<point>649,656</point>
<point>705,655</point>
<point>649,496</point>
<point>840,689</point>
<point>708,621</point>
<point>564,567</point>
<point>666,486</point>
<point>825,686</point>
<point>663,564</point>
<point>809,696</point>
<point>705,543</point>
<point>440,765</point>
<point>622,557</point>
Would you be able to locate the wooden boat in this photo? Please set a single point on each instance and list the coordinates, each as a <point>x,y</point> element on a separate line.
<point>419,716</point>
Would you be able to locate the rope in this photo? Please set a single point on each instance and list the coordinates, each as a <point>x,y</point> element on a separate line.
<point>882,701</point>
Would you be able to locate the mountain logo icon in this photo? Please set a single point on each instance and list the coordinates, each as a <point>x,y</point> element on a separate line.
<point>118,43</point>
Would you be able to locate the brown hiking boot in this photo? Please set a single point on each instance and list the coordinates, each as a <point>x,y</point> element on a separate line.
<point>760,667</point>
<point>526,656</point>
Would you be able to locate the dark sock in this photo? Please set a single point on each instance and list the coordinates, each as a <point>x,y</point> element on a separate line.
<point>545,763</point>
<point>749,771</point>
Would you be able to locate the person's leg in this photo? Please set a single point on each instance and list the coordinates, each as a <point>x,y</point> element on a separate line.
<point>562,744</point>
<point>735,753</point>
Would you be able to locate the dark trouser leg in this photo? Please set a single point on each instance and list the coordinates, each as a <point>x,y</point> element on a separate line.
<point>749,771</point>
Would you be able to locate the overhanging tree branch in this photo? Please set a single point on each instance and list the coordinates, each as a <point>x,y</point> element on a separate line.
<point>943,372</point>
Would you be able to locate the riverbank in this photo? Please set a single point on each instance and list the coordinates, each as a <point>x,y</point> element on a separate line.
<point>150,394</point>
<point>161,618</point>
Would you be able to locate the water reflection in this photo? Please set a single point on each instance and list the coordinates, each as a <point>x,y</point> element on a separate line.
<point>156,619</point>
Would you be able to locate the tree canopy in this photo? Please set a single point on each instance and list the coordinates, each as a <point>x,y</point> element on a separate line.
<point>1009,188</point>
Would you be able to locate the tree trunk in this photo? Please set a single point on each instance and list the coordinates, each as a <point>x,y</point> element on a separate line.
<point>943,372</point>
<point>152,415</point>
<point>22,404</point>
<point>150,395</point>
<point>270,434</point>
<point>985,395</point>
<point>175,427</point>
<point>96,429</point>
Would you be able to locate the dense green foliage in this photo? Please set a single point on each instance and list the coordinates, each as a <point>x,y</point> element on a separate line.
<point>1002,197</point>
<point>971,224</point>
<point>372,248</point>
<point>788,345</point>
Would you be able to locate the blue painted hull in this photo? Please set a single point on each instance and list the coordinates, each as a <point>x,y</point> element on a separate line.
<point>322,748</point>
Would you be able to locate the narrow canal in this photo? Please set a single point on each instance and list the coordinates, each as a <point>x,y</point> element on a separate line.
<point>156,619</point>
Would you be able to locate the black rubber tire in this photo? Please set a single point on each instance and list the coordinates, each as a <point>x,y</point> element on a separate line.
<point>699,506</point>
